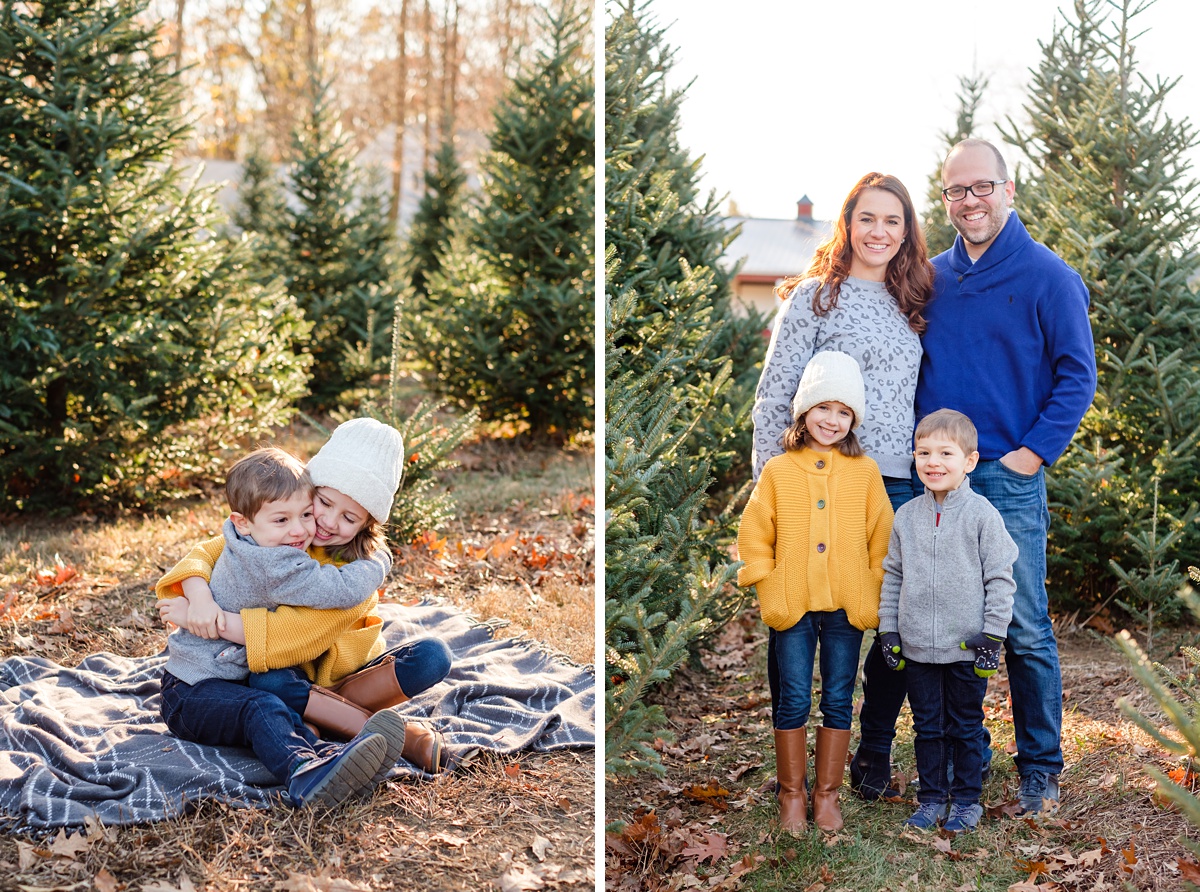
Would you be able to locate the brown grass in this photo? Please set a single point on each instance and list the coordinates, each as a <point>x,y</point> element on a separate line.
<point>522,550</point>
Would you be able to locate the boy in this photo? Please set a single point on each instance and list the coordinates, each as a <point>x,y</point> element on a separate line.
<point>204,695</point>
<point>944,612</point>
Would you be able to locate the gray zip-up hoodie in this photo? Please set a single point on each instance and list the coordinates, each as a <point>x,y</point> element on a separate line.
<point>248,575</point>
<point>944,582</point>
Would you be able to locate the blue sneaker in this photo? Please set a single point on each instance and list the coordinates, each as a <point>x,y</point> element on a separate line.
<point>963,817</point>
<point>1039,793</point>
<point>333,779</point>
<point>391,726</point>
<point>927,816</point>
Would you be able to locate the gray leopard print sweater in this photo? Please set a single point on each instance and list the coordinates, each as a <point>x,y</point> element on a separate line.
<point>868,325</point>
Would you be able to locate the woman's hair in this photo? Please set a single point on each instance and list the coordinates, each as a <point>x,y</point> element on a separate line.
<point>795,437</point>
<point>365,543</point>
<point>909,275</point>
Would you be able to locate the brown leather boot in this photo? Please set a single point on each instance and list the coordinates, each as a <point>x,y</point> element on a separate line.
<point>334,716</point>
<point>424,747</point>
<point>791,765</point>
<point>829,765</point>
<point>374,688</point>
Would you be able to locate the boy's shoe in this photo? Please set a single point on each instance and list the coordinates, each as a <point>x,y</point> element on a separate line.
<point>1039,792</point>
<point>329,780</point>
<point>927,816</point>
<point>963,817</point>
<point>391,725</point>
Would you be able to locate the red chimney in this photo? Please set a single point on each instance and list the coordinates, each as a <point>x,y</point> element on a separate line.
<point>804,209</point>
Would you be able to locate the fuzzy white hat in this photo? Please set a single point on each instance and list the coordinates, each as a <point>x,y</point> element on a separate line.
<point>363,459</point>
<point>831,376</point>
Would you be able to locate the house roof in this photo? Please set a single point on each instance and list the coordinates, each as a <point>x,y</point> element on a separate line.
<point>773,248</point>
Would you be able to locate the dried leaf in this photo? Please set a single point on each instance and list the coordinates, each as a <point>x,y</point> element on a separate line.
<point>539,846</point>
<point>712,848</point>
<point>512,771</point>
<point>104,881</point>
<point>518,878</point>
<point>448,839</point>
<point>69,846</point>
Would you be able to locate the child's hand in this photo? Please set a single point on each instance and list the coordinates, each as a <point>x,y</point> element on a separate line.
<point>206,619</point>
<point>987,653</point>
<point>889,643</point>
<point>173,611</point>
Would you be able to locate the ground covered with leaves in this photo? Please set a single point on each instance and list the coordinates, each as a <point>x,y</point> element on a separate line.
<point>711,821</point>
<point>522,550</point>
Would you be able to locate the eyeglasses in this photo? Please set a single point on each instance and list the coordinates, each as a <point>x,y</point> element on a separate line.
<point>979,190</point>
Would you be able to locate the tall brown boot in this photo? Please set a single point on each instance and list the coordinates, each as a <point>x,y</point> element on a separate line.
<point>374,688</point>
<point>791,761</point>
<point>423,747</point>
<point>333,714</point>
<point>829,765</point>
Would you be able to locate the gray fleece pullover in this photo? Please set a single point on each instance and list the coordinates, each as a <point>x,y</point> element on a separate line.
<point>247,575</point>
<point>944,582</point>
<point>867,324</point>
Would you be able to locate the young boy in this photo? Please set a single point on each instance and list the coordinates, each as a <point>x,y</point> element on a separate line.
<point>944,613</point>
<point>264,564</point>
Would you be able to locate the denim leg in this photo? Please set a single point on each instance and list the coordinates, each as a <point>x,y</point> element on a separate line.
<point>225,713</point>
<point>289,685</point>
<point>840,643</point>
<point>795,652</point>
<point>1035,679</point>
<point>773,675</point>
<point>927,698</point>
<point>899,491</point>
<point>420,663</point>
<point>964,691</point>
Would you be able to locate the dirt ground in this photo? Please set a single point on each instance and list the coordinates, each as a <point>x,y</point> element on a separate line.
<point>522,550</point>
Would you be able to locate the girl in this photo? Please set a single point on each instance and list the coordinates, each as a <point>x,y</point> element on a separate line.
<point>863,294</point>
<point>327,665</point>
<point>812,538</point>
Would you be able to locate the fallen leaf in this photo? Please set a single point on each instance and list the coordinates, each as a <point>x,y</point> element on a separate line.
<point>104,881</point>
<point>512,770</point>
<point>448,839</point>
<point>1189,870</point>
<point>539,846</point>
<point>712,848</point>
<point>518,878</point>
<point>69,846</point>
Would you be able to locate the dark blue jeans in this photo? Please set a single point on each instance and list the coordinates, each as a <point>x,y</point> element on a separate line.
<point>420,664</point>
<point>947,708</point>
<point>226,713</point>
<point>795,653</point>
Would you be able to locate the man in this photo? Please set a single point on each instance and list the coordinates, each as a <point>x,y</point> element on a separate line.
<point>1010,346</point>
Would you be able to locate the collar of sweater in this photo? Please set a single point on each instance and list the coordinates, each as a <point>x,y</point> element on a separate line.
<point>813,462</point>
<point>953,499</point>
<point>1012,238</point>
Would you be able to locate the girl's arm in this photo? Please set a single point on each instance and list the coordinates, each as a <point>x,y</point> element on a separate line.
<point>290,636</point>
<point>793,342</point>
<point>756,534</point>
<point>198,563</point>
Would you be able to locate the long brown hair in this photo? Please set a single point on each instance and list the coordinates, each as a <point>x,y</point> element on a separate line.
<point>364,544</point>
<point>909,276</point>
<point>796,436</point>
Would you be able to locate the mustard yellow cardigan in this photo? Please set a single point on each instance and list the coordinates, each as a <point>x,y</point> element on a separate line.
<point>813,537</point>
<point>326,644</point>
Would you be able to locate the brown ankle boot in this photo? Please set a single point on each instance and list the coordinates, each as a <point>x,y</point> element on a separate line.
<point>829,765</point>
<point>791,760</point>
<point>333,715</point>
<point>374,688</point>
<point>424,747</point>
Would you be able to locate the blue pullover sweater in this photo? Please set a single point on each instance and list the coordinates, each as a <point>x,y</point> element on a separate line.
<point>1009,345</point>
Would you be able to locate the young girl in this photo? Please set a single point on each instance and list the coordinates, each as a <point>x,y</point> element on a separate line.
<point>812,539</point>
<point>327,665</point>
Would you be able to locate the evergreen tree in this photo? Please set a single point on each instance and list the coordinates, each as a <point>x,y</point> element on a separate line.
<point>509,328</point>
<point>132,345</point>
<point>673,408</point>
<point>429,234</point>
<point>1111,195</point>
<point>939,231</point>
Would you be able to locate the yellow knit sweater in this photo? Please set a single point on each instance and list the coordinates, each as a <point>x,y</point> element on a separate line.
<point>813,537</point>
<point>326,644</point>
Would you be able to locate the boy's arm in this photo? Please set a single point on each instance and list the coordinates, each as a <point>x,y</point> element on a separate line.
<point>204,617</point>
<point>287,576</point>
<point>198,563</point>
<point>997,554</point>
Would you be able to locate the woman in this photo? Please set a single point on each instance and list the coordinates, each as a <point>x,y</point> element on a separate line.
<point>862,294</point>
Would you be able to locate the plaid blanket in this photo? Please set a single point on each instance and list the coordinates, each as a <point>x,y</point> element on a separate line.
<point>88,740</point>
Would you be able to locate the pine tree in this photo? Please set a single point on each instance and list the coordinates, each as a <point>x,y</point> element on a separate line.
<point>1110,194</point>
<point>673,408</point>
<point>429,234</point>
<point>939,231</point>
<point>334,246</point>
<point>509,328</point>
<point>133,346</point>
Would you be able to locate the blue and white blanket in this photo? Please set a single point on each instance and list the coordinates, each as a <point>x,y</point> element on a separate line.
<point>88,741</point>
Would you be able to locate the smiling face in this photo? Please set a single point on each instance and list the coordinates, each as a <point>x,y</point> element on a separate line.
<point>977,219</point>
<point>876,232</point>
<point>941,463</point>
<point>827,424</point>
<point>288,521</point>
<point>339,517</point>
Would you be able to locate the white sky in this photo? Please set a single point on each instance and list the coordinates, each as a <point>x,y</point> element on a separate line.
<point>793,97</point>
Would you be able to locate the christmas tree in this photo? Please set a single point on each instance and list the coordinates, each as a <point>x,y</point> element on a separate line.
<point>939,232</point>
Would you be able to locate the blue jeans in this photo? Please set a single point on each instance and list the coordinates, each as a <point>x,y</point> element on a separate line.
<point>947,708</point>
<point>1034,676</point>
<point>420,664</point>
<point>225,713</point>
<point>883,689</point>
<point>795,652</point>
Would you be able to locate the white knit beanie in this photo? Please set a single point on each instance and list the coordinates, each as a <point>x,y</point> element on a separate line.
<point>364,459</point>
<point>831,376</point>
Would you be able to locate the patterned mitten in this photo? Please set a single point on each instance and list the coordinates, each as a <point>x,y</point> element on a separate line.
<point>987,653</point>
<point>889,643</point>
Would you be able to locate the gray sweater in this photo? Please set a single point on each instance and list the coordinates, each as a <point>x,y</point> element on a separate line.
<point>944,583</point>
<point>868,325</point>
<point>247,575</point>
